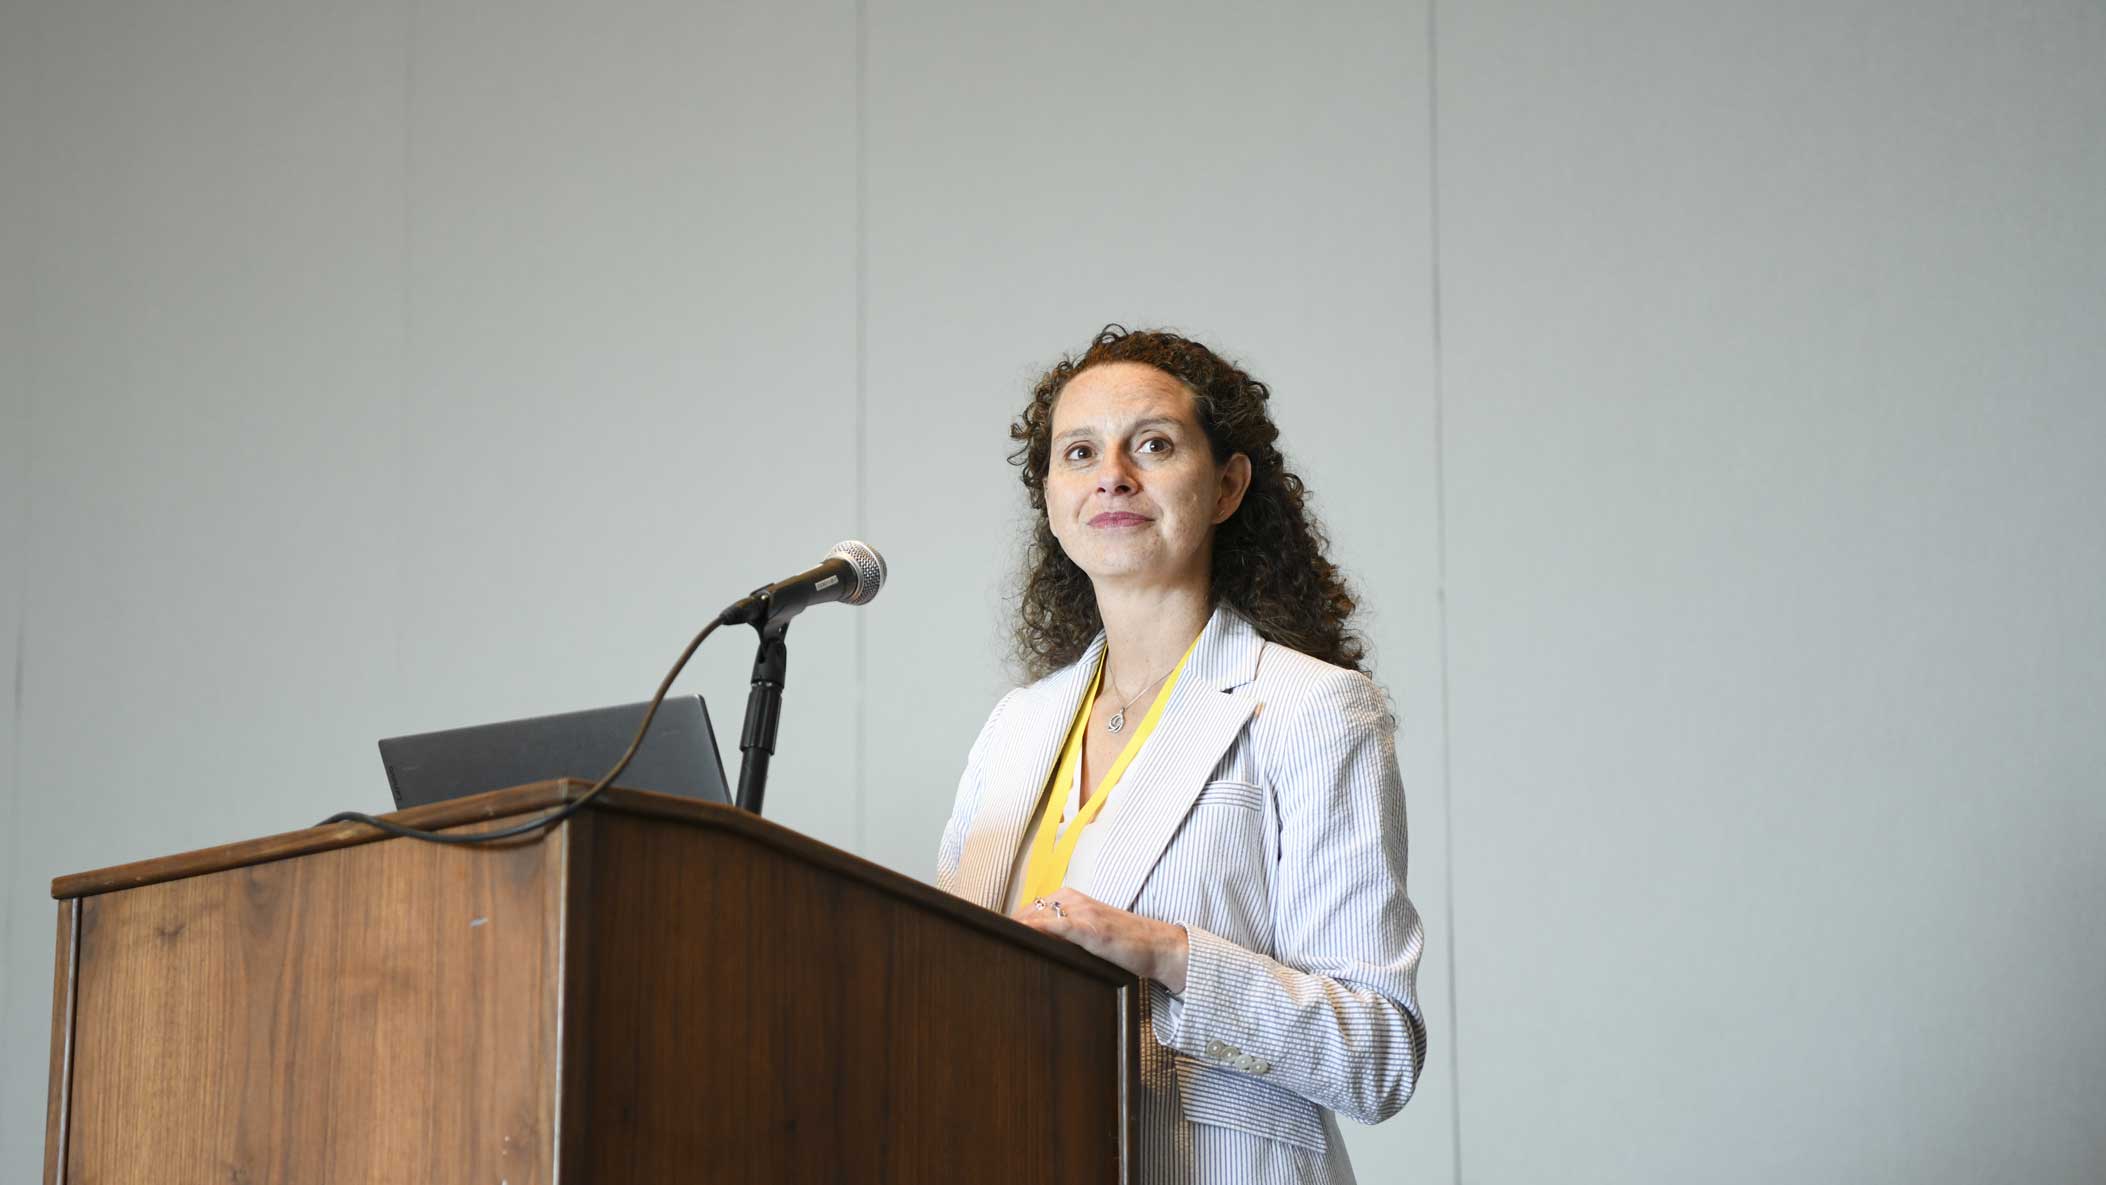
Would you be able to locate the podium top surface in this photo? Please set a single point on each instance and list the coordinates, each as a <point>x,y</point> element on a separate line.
<point>498,807</point>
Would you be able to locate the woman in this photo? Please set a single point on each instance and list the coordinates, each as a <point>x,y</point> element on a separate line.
<point>1201,784</point>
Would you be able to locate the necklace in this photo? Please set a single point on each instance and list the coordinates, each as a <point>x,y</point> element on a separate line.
<point>1118,720</point>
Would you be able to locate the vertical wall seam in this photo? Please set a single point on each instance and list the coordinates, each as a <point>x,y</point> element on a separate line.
<point>862,493</point>
<point>406,373</point>
<point>1440,534</point>
<point>31,145</point>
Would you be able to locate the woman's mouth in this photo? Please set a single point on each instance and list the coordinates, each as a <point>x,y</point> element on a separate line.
<point>1118,518</point>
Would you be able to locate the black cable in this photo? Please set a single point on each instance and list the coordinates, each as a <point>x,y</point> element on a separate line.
<point>561,813</point>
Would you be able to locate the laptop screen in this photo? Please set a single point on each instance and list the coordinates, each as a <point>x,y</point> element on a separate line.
<point>678,756</point>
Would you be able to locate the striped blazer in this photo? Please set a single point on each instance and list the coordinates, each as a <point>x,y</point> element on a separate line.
<point>1265,815</point>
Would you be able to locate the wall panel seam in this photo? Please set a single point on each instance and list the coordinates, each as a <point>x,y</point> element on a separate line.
<point>862,490</point>
<point>1440,517</point>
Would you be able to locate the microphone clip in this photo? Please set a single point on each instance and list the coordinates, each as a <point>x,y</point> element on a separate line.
<point>751,609</point>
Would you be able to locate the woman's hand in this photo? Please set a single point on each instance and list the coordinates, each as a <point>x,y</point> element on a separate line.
<point>1148,948</point>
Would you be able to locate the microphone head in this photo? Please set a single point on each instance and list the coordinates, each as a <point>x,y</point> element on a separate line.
<point>869,568</point>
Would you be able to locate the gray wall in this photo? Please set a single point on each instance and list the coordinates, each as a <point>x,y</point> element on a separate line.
<point>1706,398</point>
<point>1775,401</point>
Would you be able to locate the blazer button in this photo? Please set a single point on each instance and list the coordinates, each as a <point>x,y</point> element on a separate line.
<point>1216,1049</point>
<point>1260,1065</point>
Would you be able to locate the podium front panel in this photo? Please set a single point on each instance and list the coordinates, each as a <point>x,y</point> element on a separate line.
<point>376,1013</point>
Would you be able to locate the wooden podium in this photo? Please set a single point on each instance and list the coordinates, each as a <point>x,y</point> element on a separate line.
<point>655,990</point>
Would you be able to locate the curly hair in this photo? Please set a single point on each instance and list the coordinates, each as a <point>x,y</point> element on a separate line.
<point>1269,560</point>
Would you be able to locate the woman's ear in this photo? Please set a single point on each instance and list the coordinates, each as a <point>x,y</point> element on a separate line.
<point>1235,482</point>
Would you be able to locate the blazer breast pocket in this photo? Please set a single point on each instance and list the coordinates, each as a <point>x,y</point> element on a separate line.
<point>1223,1097</point>
<point>1232,793</point>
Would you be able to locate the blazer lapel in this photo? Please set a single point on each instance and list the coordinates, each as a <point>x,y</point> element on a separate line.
<point>1204,716</point>
<point>1019,760</point>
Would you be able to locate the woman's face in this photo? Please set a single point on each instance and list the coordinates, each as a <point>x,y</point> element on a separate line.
<point>1132,490</point>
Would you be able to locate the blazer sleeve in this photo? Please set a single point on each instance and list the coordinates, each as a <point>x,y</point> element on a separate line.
<point>966,802</point>
<point>1335,1016</point>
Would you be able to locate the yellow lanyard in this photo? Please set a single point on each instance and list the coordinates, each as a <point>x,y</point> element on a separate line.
<point>1051,849</point>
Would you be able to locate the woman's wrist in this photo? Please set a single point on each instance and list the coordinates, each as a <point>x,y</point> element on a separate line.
<point>1173,958</point>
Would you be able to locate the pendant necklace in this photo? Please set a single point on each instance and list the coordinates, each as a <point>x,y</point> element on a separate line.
<point>1118,720</point>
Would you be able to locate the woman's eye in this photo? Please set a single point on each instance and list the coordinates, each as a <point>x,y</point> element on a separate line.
<point>1078,452</point>
<point>1162,446</point>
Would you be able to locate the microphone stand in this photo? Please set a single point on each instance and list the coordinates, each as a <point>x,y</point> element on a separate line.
<point>771,664</point>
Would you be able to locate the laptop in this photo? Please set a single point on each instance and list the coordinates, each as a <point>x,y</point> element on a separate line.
<point>678,755</point>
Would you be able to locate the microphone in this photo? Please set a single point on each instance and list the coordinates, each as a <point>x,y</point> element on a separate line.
<point>851,573</point>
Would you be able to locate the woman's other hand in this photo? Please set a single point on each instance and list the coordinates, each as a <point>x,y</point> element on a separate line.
<point>1148,948</point>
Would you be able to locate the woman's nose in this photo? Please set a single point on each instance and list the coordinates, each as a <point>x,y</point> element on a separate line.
<point>1114,477</point>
